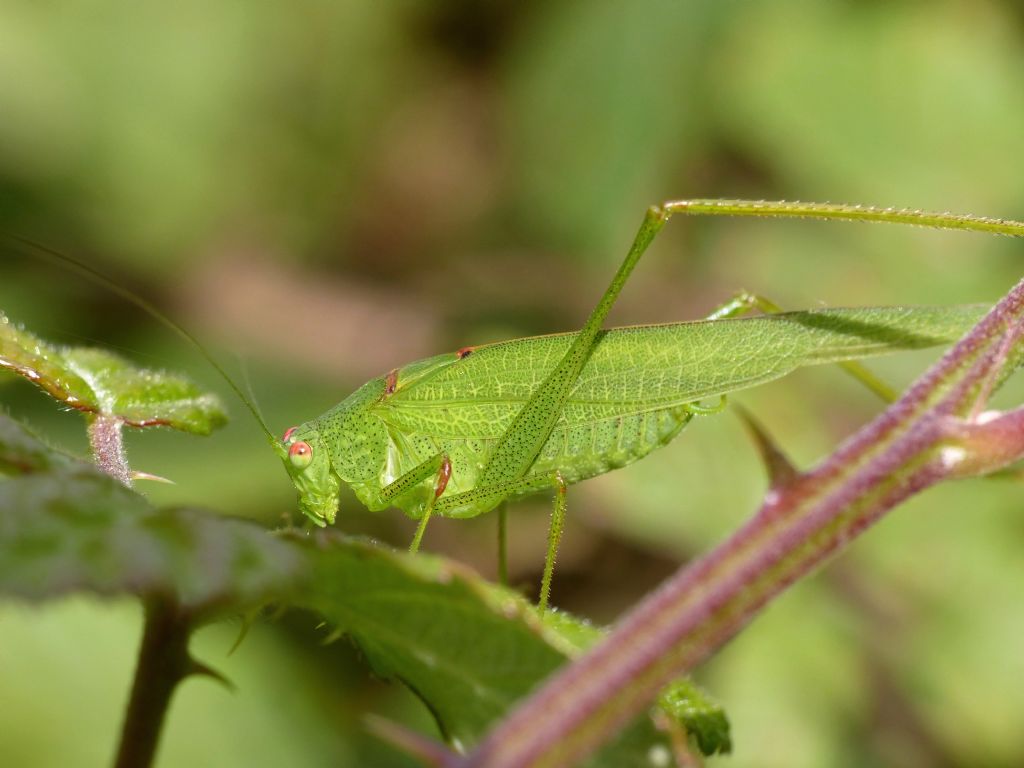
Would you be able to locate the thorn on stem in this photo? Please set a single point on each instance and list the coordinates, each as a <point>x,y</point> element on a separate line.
<point>148,476</point>
<point>247,621</point>
<point>196,667</point>
<point>332,637</point>
<point>781,471</point>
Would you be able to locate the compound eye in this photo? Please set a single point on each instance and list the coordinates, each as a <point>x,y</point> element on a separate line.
<point>286,439</point>
<point>300,455</point>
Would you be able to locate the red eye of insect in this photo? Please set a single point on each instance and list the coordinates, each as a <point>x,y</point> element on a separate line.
<point>300,455</point>
<point>288,434</point>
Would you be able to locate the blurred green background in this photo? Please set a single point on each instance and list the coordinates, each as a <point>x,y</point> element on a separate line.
<point>325,190</point>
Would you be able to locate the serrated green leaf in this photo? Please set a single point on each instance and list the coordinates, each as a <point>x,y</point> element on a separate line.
<point>705,720</point>
<point>576,634</point>
<point>76,529</point>
<point>468,648</point>
<point>97,381</point>
<point>65,527</point>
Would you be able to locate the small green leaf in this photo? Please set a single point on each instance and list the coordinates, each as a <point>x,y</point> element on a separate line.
<point>100,382</point>
<point>577,634</point>
<point>704,720</point>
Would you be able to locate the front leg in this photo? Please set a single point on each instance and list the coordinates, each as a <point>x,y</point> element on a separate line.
<point>441,467</point>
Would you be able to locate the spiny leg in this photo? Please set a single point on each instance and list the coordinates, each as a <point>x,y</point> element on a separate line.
<point>503,544</point>
<point>438,465</point>
<point>485,498</point>
<point>697,409</point>
<point>519,445</point>
<point>742,304</point>
<point>494,496</point>
<point>444,473</point>
<point>842,212</point>
<point>554,539</point>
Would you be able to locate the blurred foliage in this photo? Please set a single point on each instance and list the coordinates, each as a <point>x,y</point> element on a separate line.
<point>330,189</point>
<point>709,728</point>
<point>468,649</point>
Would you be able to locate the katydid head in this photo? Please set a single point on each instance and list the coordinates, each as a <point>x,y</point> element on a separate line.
<point>309,466</point>
<point>302,449</point>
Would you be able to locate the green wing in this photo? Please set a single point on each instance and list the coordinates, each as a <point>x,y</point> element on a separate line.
<point>642,369</point>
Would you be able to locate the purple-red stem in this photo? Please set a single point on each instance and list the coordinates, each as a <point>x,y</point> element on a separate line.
<point>921,439</point>
<point>107,442</point>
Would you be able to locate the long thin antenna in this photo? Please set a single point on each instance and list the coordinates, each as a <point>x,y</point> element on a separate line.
<point>243,366</point>
<point>149,308</point>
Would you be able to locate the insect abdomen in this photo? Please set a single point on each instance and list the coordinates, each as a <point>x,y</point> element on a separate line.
<point>586,450</point>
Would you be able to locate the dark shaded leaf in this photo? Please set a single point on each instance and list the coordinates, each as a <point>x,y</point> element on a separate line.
<point>76,529</point>
<point>66,527</point>
<point>468,648</point>
<point>704,720</point>
<point>22,452</point>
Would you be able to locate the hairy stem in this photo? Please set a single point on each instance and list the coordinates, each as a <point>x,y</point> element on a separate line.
<point>163,663</point>
<point>936,431</point>
<point>107,443</point>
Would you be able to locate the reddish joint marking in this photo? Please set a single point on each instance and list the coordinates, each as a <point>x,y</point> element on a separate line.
<point>464,352</point>
<point>288,433</point>
<point>391,383</point>
<point>146,422</point>
<point>443,476</point>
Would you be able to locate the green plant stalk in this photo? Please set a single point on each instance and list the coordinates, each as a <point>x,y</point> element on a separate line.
<point>163,663</point>
<point>936,431</point>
